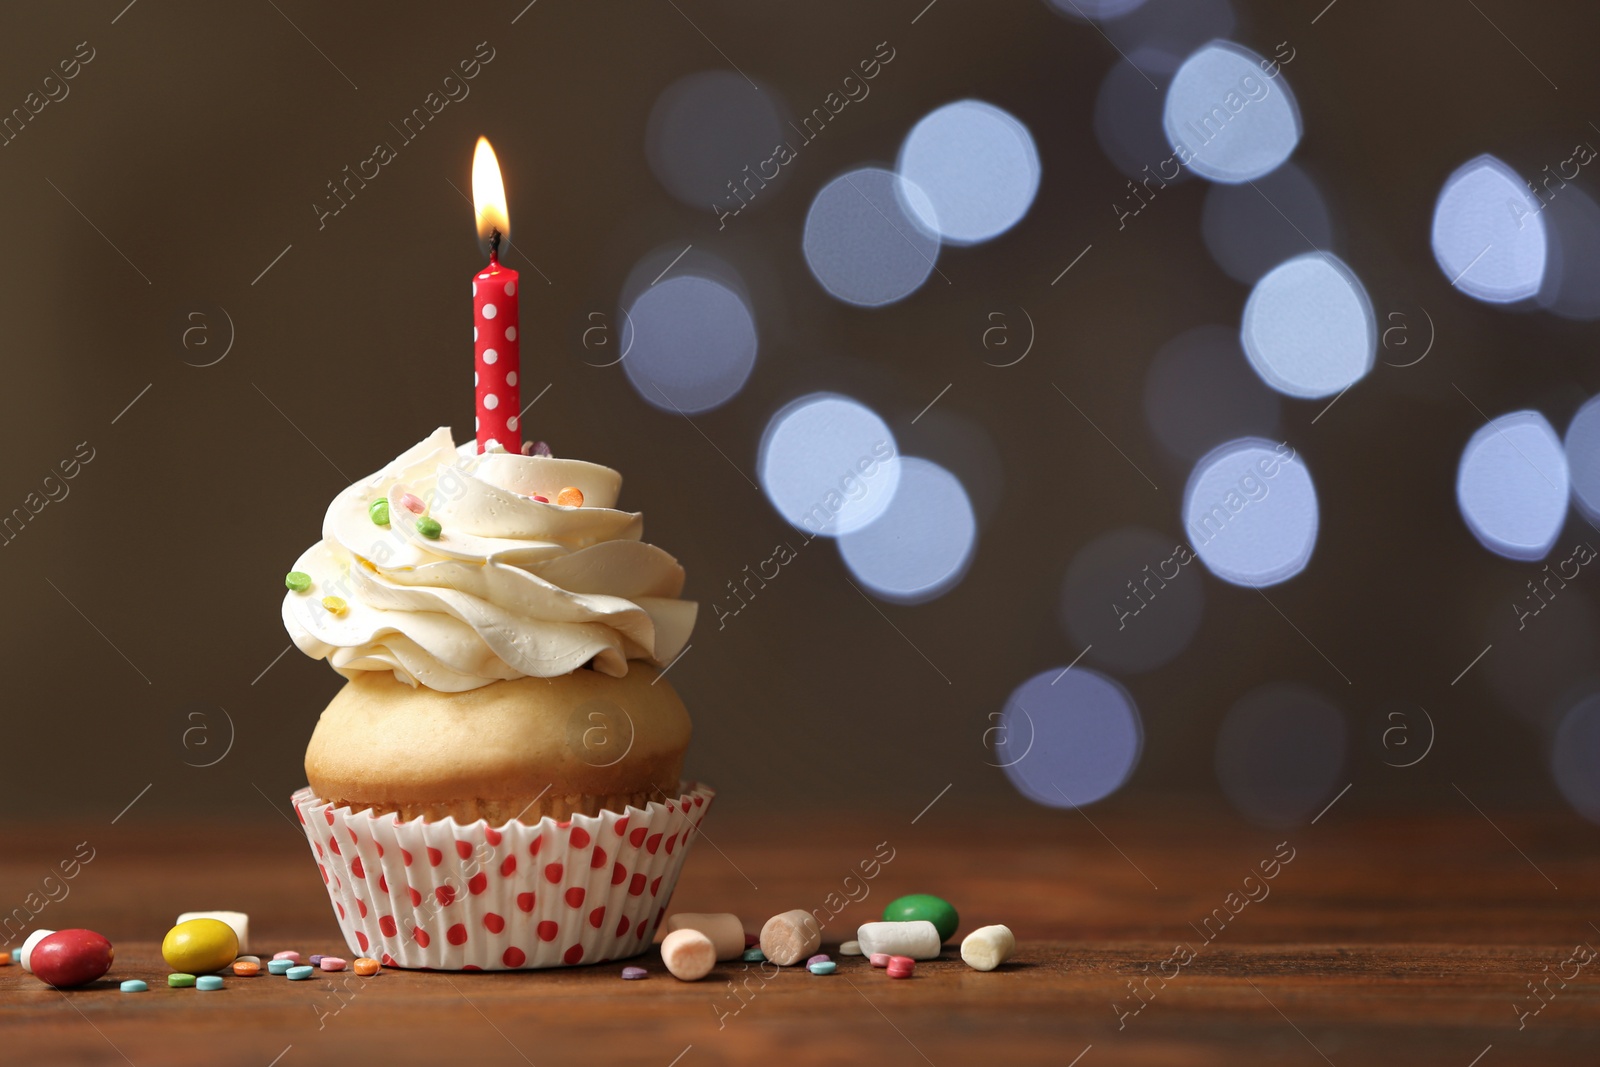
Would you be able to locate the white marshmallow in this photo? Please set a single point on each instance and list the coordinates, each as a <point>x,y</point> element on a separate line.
<point>850,948</point>
<point>918,939</point>
<point>236,919</point>
<point>724,929</point>
<point>25,953</point>
<point>688,954</point>
<point>987,947</point>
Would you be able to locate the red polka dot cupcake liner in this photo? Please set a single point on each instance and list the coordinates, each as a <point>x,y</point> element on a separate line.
<point>451,897</point>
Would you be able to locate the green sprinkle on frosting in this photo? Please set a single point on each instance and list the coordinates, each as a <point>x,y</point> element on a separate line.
<point>379,511</point>
<point>429,527</point>
<point>299,581</point>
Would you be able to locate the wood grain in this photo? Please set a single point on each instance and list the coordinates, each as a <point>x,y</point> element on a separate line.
<point>1397,941</point>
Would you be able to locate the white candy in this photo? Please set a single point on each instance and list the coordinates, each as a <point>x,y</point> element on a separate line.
<point>987,947</point>
<point>790,937</point>
<point>688,954</point>
<point>725,930</point>
<point>236,919</point>
<point>919,939</point>
<point>25,953</point>
<point>850,948</point>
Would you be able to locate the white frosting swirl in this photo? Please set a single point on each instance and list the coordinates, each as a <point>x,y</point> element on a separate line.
<point>511,588</point>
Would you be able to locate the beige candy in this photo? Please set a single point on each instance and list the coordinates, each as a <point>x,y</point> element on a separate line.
<point>918,939</point>
<point>988,947</point>
<point>688,954</point>
<point>790,937</point>
<point>725,930</point>
<point>850,948</point>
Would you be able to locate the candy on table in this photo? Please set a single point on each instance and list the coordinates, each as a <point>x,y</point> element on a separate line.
<point>790,937</point>
<point>180,981</point>
<point>279,966</point>
<point>919,939</point>
<point>751,941</point>
<point>5,958</point>
<point>366,967</point>
<point>822,967</point>
<point>821,957</point>
<point>246,968</point>
<point>133,985</point>
<point>287,954</point>
<point>725,930</point>
<point>331,963</point>
<point>924,906</point>
<point>753,955</point>
<point>70,958</point>
<point>200,946</point>
<point>27,947</point>
<point>879,959</point>
<point>634,974</point>
<point>314,959</point>
<point>300,974</point>
<point>850,948</point>
<point>688,954</point>
<point>238,920</point>
<point>570,497</point>
<point>248,959</point>
<point>901,966</point>
<point>298,581</point>
<point>987,947</point>
<point>208,982</point>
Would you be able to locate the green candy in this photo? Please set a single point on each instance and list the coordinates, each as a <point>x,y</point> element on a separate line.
<point>299,581</point>
<point>378,510</point>
<point>429,527</point>
<point>180,981</point>
<point>924,906</point>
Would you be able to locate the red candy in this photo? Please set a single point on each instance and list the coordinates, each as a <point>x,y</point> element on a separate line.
<point>879,959</point>
<point>70,958</point>
<point>751,941</point>
<point>901,966</point>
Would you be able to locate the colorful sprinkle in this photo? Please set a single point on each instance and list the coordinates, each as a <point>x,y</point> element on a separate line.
<point>850,948</point>
<point>570,497</point>
<point>336,605</point>
<point>541,498</point>
<point>300,974</point>
<point>331,963</point>
<point>299,581</point>
<point>314,959</point>
<point>429,527</point>
<point>901,966</point>
<point>365,967</point>
<point>279,966</point>
<point>180,981</point>
<point>413,504</point>
<point>378,511</point>
<point>536,448</point>
<point>879,959</point>
<point>5,958</point>
<point>133,985</point>
<point>822,967</point>
<point>753,955</point>
<point>821,957</point>
<point>246,969</point>
<point>751,941</point>
<point>633,974</point>
<point>208,982</point>
<point>287,954</point>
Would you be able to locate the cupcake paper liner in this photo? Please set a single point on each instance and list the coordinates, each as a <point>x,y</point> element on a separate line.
<point>452,897</point>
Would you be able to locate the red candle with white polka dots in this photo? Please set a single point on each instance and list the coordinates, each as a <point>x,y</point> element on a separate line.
<point>496,319</point>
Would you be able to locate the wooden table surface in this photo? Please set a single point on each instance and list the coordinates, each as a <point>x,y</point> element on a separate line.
<point>1409,940</point>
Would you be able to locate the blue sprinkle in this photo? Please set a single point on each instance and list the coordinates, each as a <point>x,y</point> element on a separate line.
<point>299,974</point>
<point>754,955</point>
<point>209,981</point>
<point>279,966</point>
<point>825,967</point>
<point>133,985</point>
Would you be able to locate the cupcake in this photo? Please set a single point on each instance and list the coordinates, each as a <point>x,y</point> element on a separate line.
<point>497,784</point>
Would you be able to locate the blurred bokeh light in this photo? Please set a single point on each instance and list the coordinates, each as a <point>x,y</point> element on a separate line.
<point>1133,598</point>
<point>1512,485</point>
<point>862,241</point>
<point>705,130</point>
<point>1488,233</point>
<point>829,464</point>
<point>1280,754</point>
<point>919,548</point>
<point>1067,737</point>
<point>1250,511</point>
<point>1251,228</point>
<point>1226,118</point>
<point>1308,327</point>
<point>977,168</point>
<point>690,343</point>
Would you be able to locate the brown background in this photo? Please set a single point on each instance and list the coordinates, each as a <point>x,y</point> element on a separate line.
<point>201,133</point>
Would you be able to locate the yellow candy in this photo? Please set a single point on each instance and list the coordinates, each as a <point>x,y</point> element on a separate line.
<point>200,946</point>
<point>335,604</point>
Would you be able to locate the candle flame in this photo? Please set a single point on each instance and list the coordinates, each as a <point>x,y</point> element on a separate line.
<point>489,193</point>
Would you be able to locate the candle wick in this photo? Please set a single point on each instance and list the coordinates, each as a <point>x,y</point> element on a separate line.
<point>494,244</point>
